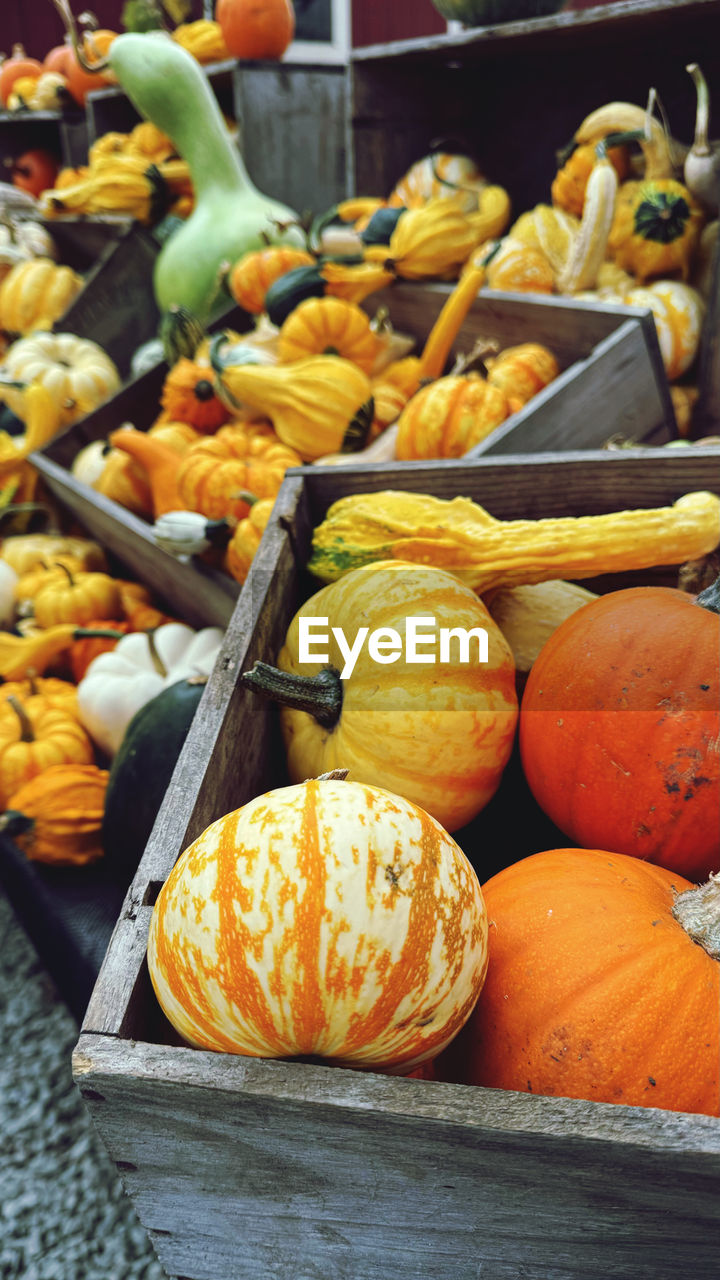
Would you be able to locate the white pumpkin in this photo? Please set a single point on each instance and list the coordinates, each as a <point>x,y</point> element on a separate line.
<point>29,236</point>
<point>76,371</point>
<point>679,312</point>
<point>117,684</point>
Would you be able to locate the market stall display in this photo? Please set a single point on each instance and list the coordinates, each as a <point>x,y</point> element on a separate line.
<point>452,912</point>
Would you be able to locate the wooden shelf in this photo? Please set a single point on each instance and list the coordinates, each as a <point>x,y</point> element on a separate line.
<point>608,21</point>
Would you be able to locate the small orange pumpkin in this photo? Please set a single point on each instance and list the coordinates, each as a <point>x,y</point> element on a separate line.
<point>251,276</point>
<point>216,474</point>
<point>599,985</point>
<point>448,417</point>
<point>188,395</point>
<point>329,326</point>
<point>569,184</point>
<point>85,648</point>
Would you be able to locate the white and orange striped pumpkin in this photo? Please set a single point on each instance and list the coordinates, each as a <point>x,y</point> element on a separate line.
<point>328,919</point>
<point>437,732</point>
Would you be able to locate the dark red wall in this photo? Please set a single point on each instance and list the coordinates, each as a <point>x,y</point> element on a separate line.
<point>374,23</point>
<point>38,26</point>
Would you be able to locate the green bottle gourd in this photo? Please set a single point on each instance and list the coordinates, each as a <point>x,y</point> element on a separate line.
<point>167,86</point>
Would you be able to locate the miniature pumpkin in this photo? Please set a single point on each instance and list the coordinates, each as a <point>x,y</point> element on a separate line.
<point>440,735</point>
<point>522,371</point>
<point>374,933</point>
<point>568,185</point>
<point>329,326</point>
<point>251,276</point>
<point>448,417</point>
<point>246,539</point>
<point>620,748</point>
<point>77,597</point>
<point>35,170</point>
<point>252,30</point>
<point>81,82</point>
<point>56,817</point>
<point>35,294</point>
<point>657,230</point>
<point>14,67</point>
<point>78,373</point>
<point>188,395</point>
<point>53,689</point>
<point>26,550</point>
<point>117,684</point>
<point>217,474</point>
<point>603,983</point>
<point>43,573</point>
<point>517,268</point>
<point>34,735</point>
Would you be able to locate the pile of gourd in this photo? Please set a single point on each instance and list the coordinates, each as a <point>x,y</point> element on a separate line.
<point>337,918</point>
<point>620,228</point>
<point>99,687</point>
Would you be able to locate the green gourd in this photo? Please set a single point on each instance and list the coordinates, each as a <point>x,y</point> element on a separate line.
<point>231,217</point>
<point>167,86</point>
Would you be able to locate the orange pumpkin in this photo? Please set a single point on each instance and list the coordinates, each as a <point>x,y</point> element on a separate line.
<point>331,919</point>
<point>216,474</point>
<point>81,82</point>
<point>329,326</point>
<point>56,817</point>
<point>188,395</point>
<point>14,68</point>
<point>251,276</point>
<point>34,735</point>
<point>448,417</point>
<point>568,186</point>
<point>246,538</point>
<point>619,727</point>
<point>599,985</point>
<point>255,29</point>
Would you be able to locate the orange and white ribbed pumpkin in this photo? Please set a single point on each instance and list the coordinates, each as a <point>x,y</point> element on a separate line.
<point>679,312</point>
<point>329,919</point>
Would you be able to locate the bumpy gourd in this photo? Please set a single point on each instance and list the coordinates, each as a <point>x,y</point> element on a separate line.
<point>486,553</point>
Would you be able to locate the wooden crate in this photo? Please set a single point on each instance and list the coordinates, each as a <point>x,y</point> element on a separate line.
<point>611,368</point>
<point>252,1168</point>
<point>612,377</point>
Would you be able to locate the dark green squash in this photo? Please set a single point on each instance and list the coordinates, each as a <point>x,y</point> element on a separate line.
<point>292,288</point>
<point>141,771</point>
<point>382,224</point>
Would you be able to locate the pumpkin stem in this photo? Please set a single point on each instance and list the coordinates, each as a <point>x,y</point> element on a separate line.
<point>26,729</point>
<point>97,633</point>
<point>698,911</point>
<point>700,146</point>
<point>155,658</point>
<point>320,696</point>
<point>14,823</point>
<point>335,775</point>
<point>710,597</point>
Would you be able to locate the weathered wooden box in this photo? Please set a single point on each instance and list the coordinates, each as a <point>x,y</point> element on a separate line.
<point>612,380</point>
<point>612,377</point>
<point>247,1168</point>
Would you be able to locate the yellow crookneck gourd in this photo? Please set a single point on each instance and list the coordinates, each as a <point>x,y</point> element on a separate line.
<point>460,536</point>
<point>322,404</point>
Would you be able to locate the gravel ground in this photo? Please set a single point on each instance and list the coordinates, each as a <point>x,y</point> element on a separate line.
<point>63,1212</point>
